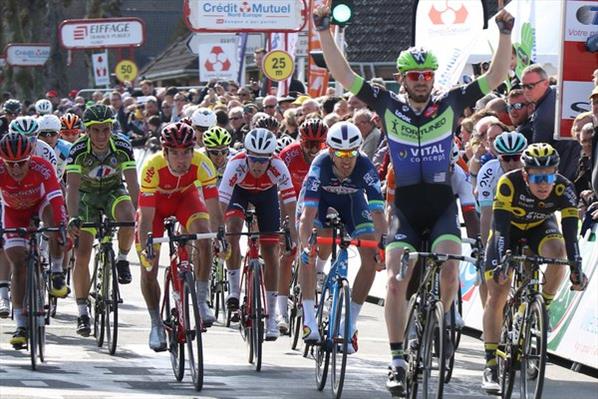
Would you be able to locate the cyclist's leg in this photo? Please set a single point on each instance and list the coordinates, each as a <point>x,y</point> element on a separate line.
<point>122,210</point>
<point>4,285</point>
<point>234,217</point>
<point>546,240</point>
<point>283,284</point>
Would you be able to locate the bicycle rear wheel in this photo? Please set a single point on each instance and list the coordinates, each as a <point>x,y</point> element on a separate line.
<point>32,310</point>
<point>194,327</point>
<point>533,358</point>
<point>433,354</point>
<point>341,339</point>
<point>452,334</point>
<point>169,316</point>
<point>258,317</point>
<point>322,349</point>
<point>506,354</point>
<point>413,337</point>
<point>112,297</point>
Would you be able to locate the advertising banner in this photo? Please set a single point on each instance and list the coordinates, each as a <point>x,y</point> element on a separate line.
<point>27,54</point>
<point>247,15</point>
<point>218,59</point>
<point>580,21</point>
<point>101,33</point>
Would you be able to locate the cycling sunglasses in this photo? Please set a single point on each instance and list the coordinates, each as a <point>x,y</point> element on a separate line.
<point>516,106</point>
<point>70,132</point>
<point>345,153</point>
<point>510,158</point>
<point>216,153</point>
<point>49,133</point>
<point>416,76</point>
<point>258,159</point>
<point>548,178</point>
<point>19,163</point>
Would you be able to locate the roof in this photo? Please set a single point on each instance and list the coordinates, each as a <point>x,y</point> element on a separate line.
<point>174,62</point>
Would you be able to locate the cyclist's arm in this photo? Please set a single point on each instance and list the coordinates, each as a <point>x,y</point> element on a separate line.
<point>306,224</point>
<point>216,215</point>
<point>53,191</point>
<point>570,222</point>
<point>501,221</point>
<point>485,222</point>
<point>132,184</point>
<point>73,182</point>
<point>335,61</point>
<point>373,192</point>
<point>146,220</point>
<point>499,68</point>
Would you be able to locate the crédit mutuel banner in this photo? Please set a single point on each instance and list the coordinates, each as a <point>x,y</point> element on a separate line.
<point>580,21</point>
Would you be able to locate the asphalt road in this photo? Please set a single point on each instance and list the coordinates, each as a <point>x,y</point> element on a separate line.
<point>77,368</point>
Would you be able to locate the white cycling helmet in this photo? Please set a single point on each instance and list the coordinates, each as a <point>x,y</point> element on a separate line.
<point>510,143</point>
<point>203,117</point>
<point>49,123</point>
<point>43,107</point>
<point>25,125</point>
<point>282,142</point>
<point>260,141</point>
<point>344,136</point>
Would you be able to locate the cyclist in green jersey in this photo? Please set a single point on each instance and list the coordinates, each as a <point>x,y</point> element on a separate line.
<point>95,169</point>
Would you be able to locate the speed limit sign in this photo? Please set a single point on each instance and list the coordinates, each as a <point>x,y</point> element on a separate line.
<point>126,70</point>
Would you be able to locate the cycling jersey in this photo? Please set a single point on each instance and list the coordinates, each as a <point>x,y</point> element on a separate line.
<point>158,183</point>
<point>292,156</point>
<point>322,189</point>
<point>23,199</point>
<point>43,150</point>
<point>420,144</point>
<point>488,177</point>
<point>516,210</point>
<point>100,174</point>
<point>237,174</point>
<point>62,151</point>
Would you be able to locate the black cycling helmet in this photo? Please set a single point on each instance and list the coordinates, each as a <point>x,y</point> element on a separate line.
<point>12,106</point>
<point>97,114</point>
<point>268,122</point>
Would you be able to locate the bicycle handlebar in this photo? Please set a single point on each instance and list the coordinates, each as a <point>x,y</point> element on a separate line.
<point>355,242</point>
<point>436,258</point>
<point>24,231</point>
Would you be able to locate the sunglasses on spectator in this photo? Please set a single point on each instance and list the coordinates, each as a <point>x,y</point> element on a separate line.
<point>19,164</point>
<point>48,133</point>
<point>243,94</point>
<point>345,153</point>
<point>548,178</point>
<point>311,144</point>
<point>217,153</point>
<point>530,86</point>
<point>259,159</point>
<point>416,76</point>
<point>510,158</point>
<point>516,106</point>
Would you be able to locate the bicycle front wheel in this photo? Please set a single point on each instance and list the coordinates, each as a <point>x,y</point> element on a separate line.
<point>506,353</point>
<point>433,354</point>
<point>111,297</point>
<point>533,358</point>
<point>97,303</point>
<point>257,321</point>
<point>170,317</point>
<point>32,310</point>
<point>341,339</point>
<point>322,349</point>
<point>194,327</point>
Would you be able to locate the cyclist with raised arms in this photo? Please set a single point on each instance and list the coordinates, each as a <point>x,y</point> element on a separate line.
<point>345,179</point>
<point>298,156</point>
<point>256,176</point>
<point>419,127</point>
<point>169,187</point>
<point>29,188</point>
<point>524,207</point>
<point>95,169</point>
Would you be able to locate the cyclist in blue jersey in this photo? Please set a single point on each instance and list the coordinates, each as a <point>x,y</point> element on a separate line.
<point>344,179</point>
<point>419,128</point>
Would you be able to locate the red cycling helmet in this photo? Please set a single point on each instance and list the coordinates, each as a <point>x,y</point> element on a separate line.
<point>15,147</point>
<point>186,120</point>
<point>177,135</point>
<point>313,129</point>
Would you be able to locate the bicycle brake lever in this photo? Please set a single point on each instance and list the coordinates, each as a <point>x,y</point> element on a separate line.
<point>404,265</point>
<point>149,247</point>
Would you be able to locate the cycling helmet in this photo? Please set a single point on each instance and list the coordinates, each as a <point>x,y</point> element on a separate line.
<point>268,122</point>
<point>26,125</point>
<point>540,155</point>
<point>509,143</point>
<point>12,106</point>
<point>15,147</point>
<point>43,107</point>
<point>177,135</point>
<point>203,117</point>
<point>186,120</point>
<point>313,129</point>
<point>70,121</point>
<point>282,142</point>
<point>260,141</point>
<point>416,58</point>
<point>97,114</point>
<point>344,136</point>
<point>216,136</point>
<point>48,123</point>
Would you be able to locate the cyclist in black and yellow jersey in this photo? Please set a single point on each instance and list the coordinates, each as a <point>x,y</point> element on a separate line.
<point>524,207</point>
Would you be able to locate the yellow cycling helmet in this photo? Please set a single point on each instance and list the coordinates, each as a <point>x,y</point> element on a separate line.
<point>540,155</point>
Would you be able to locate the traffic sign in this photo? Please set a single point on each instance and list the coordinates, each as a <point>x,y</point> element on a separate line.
<point>126,70</point>
<point>100,69</point>
<point>278,65</point>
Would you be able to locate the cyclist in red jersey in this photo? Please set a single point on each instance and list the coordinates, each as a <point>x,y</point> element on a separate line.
<point>298,156</point>
<point>29,188</point>
<point>256,176</point>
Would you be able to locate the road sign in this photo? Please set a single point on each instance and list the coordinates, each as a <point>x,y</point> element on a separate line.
<point>278,65</point>
<point>218,60</point>
<point>27,54</point>
<point>126,70</point>
<point>100,69</point>
<point>101,33</point>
